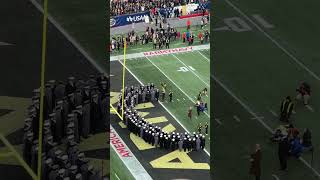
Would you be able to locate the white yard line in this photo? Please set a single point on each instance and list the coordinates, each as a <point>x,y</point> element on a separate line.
<point>275,177</point>
<point>274,41</point>
<point>273,113</point>
<point>191,71</point>
<point>236,118</point>
<point>218,121</point>
<point>204,56</point>
<point>310,108</point>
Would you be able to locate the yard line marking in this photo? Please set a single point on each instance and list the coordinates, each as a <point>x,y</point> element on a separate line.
<point>273,113</point>
<point>174,117</point>
<point>205,57</point>
<point>173,83</point>
<point>218,121</point>
<point>274,41</point>
<point>310,108</point>
<point>236,118</point>
<point>275,176</point>
<point>259,119</point>
<point>117,176</point>
<point>191,70</point>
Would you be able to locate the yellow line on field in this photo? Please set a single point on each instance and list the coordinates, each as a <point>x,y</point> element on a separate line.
<point>123,74</point>
<point>114,110</point>
<point>18,157</point>
<point>43,66</point>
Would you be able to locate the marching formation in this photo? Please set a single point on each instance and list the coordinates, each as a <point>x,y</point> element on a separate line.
<point>151,134</point>
<point>72,112</point>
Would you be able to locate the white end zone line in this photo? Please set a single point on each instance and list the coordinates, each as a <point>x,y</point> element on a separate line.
<point>208,153</point>
<point>274,41</point>
<point>133,164</point>
<point>259,119</point>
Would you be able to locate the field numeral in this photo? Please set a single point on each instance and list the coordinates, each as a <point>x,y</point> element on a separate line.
<point>185,69</point>
<point>238,24</point>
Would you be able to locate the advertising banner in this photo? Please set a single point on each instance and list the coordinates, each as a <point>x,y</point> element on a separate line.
<point>128,19</point>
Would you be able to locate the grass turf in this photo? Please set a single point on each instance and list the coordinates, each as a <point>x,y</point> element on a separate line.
<point>184,85</point>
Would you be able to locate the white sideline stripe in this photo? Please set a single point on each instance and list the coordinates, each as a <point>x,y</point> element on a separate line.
<point>174,117</point>
<point>275,177</point>
<point>68,37</point>
<point>310,108</point>
<point>273,113</point>
<point>236,118</point>
<point>191,71</point>
<point>174,83</point>
<point>274,41</point>
<point>259,119</point>
<point>141,54</point>
<point>133,164</point>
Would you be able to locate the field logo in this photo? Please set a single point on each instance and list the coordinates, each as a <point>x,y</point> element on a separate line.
<point>118,144</point>
<point>112,22</point>
<point>168,51</point>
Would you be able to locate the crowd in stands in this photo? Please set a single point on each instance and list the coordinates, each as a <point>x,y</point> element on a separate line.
<point>73,111</point>
<point>121,7</point>
<point>159,37</point>
<point>150,133</point>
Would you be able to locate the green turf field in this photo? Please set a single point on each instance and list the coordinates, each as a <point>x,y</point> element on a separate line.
<point>118,169</point>
<point>265,51</point>
<point>186,74</point>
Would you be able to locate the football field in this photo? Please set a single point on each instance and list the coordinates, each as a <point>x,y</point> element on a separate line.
<point>263,50</point>
<point>186,74</point>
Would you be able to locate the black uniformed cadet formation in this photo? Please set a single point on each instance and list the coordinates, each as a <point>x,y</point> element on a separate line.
<point>151,134</point>
<point>72,112</point>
